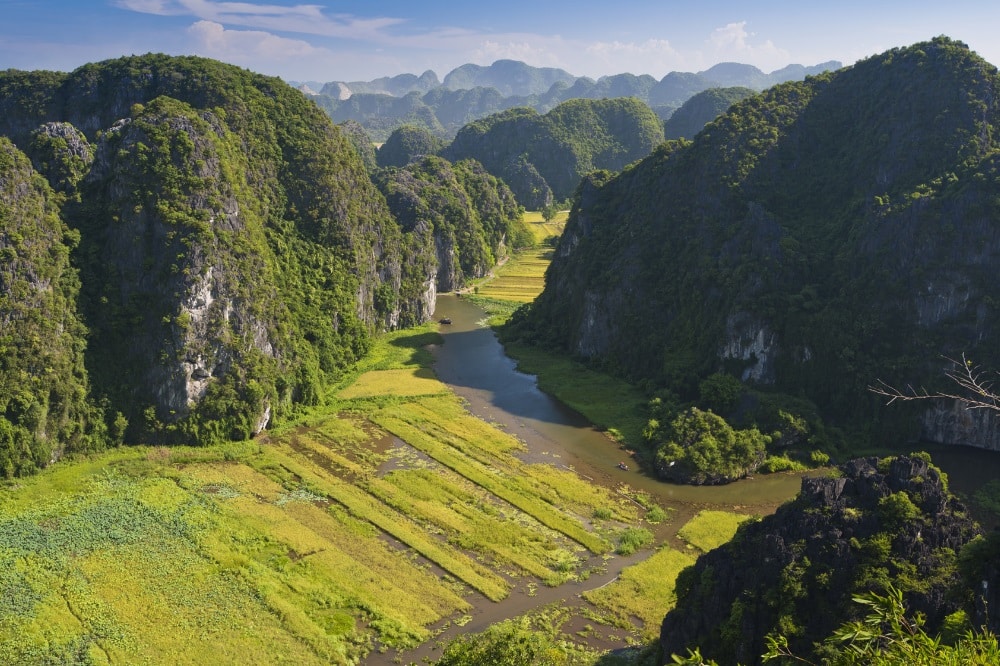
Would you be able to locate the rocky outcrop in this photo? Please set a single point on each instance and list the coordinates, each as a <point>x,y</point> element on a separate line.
<point>62,153</point>
<point>816,238</point>
<point>197,310</point>
<point>44,388</point>
<point>458,220</point>
<point>794,573</point>
<point>952,422</point>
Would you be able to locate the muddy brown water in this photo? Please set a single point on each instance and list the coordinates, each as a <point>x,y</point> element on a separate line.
<point>473,364</point>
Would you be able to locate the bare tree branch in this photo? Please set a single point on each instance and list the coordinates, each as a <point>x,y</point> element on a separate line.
<point>978,390</point>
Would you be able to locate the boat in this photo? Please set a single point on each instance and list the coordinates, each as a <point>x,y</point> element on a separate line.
<point>445,320</point>
<point>622,466</point>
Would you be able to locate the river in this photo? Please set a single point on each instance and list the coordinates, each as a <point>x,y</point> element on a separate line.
<point>473,364</point>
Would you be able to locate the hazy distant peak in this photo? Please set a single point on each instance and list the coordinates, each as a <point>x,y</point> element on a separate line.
<point>510,77</point>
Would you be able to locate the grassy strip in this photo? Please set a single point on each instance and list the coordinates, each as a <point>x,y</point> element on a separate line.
<point>505,487</point>
<point>644,591</point>
<point>364,506</point>
<point>431,498</point>
<point>605,401</point>
<point>711,529</point>
<point>403,382</point>
<point>309,548</point>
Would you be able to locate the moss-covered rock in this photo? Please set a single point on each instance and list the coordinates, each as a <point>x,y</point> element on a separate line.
<point>794,573</point>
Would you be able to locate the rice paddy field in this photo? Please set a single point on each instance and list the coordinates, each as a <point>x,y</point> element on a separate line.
<point>521,279</point>
<point>360,532</point>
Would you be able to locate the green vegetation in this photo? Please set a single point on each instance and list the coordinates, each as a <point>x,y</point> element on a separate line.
<point>458,219</point>
<point>700,447</point>
<point>407,144</point>
<point>710,529</point>
<point>889,636</point>
<point>988,497</point>
<point>520,279</point>
<point>644,591</point>
<point>361,142</point>
<point>888,523</point>
<point>525,641</point>
<point>544,156</point>
<point>44,403</point>
<point>234,256</point>
<point>280,547</point>
<point>384,104</point>
<point>702,109</point>
<point>778,258</point>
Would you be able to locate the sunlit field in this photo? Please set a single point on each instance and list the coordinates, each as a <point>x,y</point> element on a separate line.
<point>522,278</point>
<point>711,529</point>
<point>367,529</point>
<point>370,525</point>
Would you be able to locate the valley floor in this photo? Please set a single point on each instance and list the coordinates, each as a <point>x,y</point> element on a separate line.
<point>370,532</point>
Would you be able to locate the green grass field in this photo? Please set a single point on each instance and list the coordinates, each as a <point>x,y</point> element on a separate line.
<point>710,529</point>
<point>371,524</point>
<point>317,545</point>
<point>522,278</point>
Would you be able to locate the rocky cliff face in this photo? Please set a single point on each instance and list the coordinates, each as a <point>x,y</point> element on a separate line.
<point>234,252</point>
<point>44,407</point>
<point>795,572</point>
<point>815,238</point>
<point>458,218</point>
<point>197,310</point>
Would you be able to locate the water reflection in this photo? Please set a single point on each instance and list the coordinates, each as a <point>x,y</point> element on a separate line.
<point>472,362</point>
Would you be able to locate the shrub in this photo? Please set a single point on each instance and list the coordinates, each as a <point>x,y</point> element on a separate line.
<point>632,539</point>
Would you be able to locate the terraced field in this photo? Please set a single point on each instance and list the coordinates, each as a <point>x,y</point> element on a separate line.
<point>522,278</point>
<point>367,529</point>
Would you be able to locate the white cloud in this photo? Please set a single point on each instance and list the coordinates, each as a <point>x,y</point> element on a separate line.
<point>158,7</point>
<point>537,54</point>
<point>733,42</point>
<point>248,46</point>
<point>304,19</point>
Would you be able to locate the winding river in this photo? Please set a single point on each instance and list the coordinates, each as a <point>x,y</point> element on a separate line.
<point>473,364</point>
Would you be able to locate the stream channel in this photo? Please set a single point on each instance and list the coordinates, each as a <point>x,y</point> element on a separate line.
<point>473,364</point>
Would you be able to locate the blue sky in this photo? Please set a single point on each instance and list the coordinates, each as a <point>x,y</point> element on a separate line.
<point>350,40</point>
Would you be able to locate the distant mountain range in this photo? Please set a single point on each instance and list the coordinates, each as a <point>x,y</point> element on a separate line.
<point>471,92</point>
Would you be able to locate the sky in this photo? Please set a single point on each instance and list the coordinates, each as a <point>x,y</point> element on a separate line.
<point>360,40</point>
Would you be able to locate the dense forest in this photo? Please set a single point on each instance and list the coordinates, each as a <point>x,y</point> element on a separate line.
<point>209,252</point>
<point>816,238</point>
<point>543,157</point>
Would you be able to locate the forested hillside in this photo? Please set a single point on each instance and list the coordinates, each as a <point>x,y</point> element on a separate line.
<point>543,157</point>
<point>44,406</point>
<point>816,238</point>
<point>702,109</point>
<point>233,254</point>
<point>889,521</point>
<point>458,220</point>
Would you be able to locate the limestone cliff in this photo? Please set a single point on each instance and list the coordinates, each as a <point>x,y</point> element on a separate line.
<point>817,237</point>
<point>795,572</point>
<point>44,406</point>
<point>234,253</point>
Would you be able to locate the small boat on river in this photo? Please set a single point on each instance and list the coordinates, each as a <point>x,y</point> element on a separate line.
<point>622,466</point>
<point>445,320</point>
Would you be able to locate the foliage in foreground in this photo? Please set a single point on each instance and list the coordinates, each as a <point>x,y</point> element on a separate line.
<point>887,636</point>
